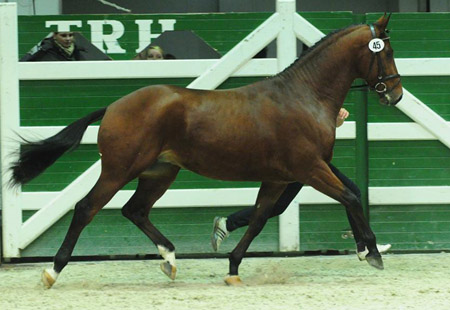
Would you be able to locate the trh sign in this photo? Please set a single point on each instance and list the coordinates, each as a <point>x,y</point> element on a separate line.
<point>107,41</point>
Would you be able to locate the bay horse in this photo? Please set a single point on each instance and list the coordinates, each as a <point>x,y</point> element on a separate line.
<point>277,131</point>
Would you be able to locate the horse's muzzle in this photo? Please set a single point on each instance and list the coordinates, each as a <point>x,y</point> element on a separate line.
<point>390,99</point>
<point>397,100</point>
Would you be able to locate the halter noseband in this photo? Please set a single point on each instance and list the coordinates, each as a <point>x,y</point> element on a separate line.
<point>380,87</point>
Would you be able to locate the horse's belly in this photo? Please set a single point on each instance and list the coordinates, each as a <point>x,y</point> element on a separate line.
<point>237,168</point>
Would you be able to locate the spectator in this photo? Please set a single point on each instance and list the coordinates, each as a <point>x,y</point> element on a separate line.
<point>153,52</point>
<point>60,46</point>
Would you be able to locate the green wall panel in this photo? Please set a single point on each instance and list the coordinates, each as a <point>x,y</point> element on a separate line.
<point>324,227</point>
<point>57,103</point>
<point>433,91</point>
<point>409,163</point>
<point>412,227</point>
<point>378,113</point>
<point>418,35</point>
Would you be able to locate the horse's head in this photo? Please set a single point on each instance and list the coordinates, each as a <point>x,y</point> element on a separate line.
<point>378,66</point>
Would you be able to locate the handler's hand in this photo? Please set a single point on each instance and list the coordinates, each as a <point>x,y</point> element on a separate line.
<point>343,114</point>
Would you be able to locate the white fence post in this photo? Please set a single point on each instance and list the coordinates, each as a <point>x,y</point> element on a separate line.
<point>289,225</point>
<point>9,113</point>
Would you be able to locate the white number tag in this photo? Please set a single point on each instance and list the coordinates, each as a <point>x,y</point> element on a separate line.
<point>376,45</point>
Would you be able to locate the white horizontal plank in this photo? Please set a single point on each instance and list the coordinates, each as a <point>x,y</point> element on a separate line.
<point>232,197</point>
<point>346,131</point>
<point>123,69</point>
<point>404,195</point>
<point>423,66</point>
<point>398,131</point>
<point>190,68</point>
<point>184,198</point>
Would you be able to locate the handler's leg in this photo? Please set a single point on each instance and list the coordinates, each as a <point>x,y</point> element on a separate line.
<point>224,225</point>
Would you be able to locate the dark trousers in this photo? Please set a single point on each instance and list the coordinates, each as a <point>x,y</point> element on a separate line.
<point>242,217</point>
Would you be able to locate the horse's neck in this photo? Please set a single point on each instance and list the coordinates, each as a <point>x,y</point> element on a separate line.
<point>334,77</point>
<point>328,75</point>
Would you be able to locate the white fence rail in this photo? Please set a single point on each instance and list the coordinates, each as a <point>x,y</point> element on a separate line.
<point>285,25</point>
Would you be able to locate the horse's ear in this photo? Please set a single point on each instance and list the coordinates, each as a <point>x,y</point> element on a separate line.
<point>383,21</point>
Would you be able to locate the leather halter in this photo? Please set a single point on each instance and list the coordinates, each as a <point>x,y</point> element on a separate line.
<point>380,87</point>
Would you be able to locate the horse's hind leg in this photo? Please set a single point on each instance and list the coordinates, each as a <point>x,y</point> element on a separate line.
<point>360,245</point>
<point>325,181</point>
<point>152,184</point>
<point>268,195</point>
<point>84,212</point>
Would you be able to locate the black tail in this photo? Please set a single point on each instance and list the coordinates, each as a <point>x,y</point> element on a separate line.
<point>37,156</point>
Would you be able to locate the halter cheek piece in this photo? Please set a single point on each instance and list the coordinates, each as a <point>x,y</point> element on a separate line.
<point>380,87</point>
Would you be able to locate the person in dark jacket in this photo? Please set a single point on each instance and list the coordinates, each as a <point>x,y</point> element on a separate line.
<point>60,46</point>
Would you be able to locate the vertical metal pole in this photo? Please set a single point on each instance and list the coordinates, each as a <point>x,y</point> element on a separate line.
<point>9,122</point>
<point>362,142</point>
<point>362,148</point>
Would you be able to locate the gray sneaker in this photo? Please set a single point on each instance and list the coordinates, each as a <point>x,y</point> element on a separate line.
<point>219,232</point>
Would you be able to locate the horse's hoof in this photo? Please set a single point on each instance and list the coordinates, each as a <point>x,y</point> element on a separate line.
<point>233,281</point>
<point>47,279</point>
<point>382,248</point>
<point>375,261</point>
<point>169,270</point>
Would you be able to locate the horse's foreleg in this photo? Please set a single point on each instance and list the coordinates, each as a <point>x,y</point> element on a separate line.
<point>267,197</point>
<point>84,212</point>
<point>152,184</point>
<point>324,180</point>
